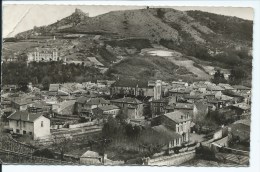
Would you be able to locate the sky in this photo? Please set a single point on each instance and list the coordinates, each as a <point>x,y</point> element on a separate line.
<point>19,17</point>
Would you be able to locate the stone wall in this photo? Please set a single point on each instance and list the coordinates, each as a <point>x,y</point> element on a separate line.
<point>172,160</point>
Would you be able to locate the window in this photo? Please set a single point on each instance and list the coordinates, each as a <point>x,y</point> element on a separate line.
<point>41,123</point>
<point>24,132</point>
<point>17,123</point>
<point>24,123</point>
<point>30,133</point>
<point>17,131</point>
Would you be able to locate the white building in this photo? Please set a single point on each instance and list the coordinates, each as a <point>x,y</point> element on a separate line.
<point>34,124</point>
<point>43,54</point>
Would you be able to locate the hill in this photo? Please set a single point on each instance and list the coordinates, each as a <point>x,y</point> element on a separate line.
<point>203,39</point>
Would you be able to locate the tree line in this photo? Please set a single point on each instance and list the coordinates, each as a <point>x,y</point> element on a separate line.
<point>47,72</point>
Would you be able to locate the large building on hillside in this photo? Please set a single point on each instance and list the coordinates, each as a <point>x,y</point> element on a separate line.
<point>137,88</point>
<point>43,54</point>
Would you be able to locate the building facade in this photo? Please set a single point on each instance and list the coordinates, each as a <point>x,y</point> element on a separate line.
<point>43,55</point>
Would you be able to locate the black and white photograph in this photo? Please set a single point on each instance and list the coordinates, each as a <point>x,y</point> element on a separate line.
<point>118,85</point>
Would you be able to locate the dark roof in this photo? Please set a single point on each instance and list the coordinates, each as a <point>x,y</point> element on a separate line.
<point>162,100</point>
<point>184,106</point>
<point>127,100</point>
<point>242,106</point>
<point>92,101</point>
<point>25,116</point>
<point>193,96</point>
<point>131,83</point>
<point>108,107</point>
<point>97,101</point>
<point>177,116</point>
<point>22,101</point>
<point>166,132</point>
<point>241,87</point>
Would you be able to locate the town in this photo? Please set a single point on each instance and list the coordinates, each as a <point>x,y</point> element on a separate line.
<point>146,86</point>
<point>127,122</point>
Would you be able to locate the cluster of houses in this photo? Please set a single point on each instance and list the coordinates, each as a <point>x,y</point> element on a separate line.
<point>169,109</point>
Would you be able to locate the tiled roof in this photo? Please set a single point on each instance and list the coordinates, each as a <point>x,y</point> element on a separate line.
<point>108,107</point>
<point>215,88</point>
<point>97,101</point>
<point>243,106</point>
<point>166,132</point>
<point>90,154</point>
<point>241,87</point>
<point>22,101</point>
<point>193,96</point>
<point>243,121</point>
<point>177,116</point>
<point>25,116</point>
<point>184,106</point>
<point>127,100</point>
<point>226,86</point>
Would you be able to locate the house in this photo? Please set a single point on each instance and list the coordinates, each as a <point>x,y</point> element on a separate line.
<point>91,158</point>
<point>32,124</point>
<point>241,109</point>
<point>136,88</point>
<point>239,88</point>
<point>64,108</point>
<point>240,130</point>
<point>158,106</point>
<point>87,104</point>
<point>179,93</point>
<point>172,139</point>
<point>186,108</point>
<point>178,121</point>
<point>40,106</point>
<point>130,106</point>
<point>21,104</point>
<point>226,86</point>
<point>107,110</point>
<point>192,98</point>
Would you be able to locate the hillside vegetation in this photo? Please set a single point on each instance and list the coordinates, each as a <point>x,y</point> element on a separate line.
<point>206,38</point>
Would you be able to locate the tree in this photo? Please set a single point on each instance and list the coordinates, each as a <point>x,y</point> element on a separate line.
<point>111,127</point>
<point>46,153</point>
<point>23,86</point>
<point>122,117</point>
<point>219,77</point>
<point>46,82</point>
<point>62,144</point>
<point>237,74</point>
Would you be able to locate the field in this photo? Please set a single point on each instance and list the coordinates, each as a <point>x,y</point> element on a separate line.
<point>179,60</point>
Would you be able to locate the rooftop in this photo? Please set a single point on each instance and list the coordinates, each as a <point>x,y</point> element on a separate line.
<point>127,100</point>
<point>25,116</point>
<point>177,116</point>
<point>166,132</point>
<point>108,107</point>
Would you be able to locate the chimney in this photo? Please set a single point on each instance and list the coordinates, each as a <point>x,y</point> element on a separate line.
<point>28,117</point>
